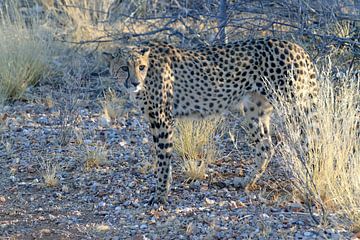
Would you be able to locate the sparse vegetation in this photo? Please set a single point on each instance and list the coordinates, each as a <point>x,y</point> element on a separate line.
<point>328,173</point>
<point>95,157</point>
<point>25,54</point>
<point>84,20</point>
<point>194,142</point>
<point>113,106</point>
<point>49,171</point>
<point>59,40</point>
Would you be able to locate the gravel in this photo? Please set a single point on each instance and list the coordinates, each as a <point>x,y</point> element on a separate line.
<point>110,200</point>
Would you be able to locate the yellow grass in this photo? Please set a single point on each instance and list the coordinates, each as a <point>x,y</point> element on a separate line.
<point>94,157</point>
<point>83,19</point>
<point>194,142</point>
<point>24,55</point>
<point>329,172</point>
<point>113,107</point>
<point>49,174</point>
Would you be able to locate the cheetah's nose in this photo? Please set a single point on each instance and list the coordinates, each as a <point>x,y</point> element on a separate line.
<point>135,84</point>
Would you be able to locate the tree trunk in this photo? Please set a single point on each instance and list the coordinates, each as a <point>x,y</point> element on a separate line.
<point>222,20</point>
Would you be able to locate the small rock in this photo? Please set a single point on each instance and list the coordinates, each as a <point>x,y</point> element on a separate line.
<point>296,207</point>
<point>117,209</point>
<point>301,223</point>
<point>43,120</point>
<point>133,139</point>
<point>73,219</point>
<point>57,194</point>
<point>65,188</point>
<point>102,204</point>
<point>237,182</point>
<point>209,201</point>
<point>45,231</point>
<point>220,235</point>
<point>30,169</point>
<point>104,121</point>
<point>13,178</point>
<point>102,228</point>
<point>101,193</point>
<point>195,185</point>
<point>84,112</point>
<point>2,199</point>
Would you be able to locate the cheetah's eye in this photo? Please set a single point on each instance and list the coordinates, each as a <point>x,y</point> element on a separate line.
<point>141,67</point>
<point>125,68</point>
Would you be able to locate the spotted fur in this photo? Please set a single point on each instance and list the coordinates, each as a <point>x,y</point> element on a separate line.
<point>170,82</point>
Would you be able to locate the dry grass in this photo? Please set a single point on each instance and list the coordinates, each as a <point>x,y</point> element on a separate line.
<point>102,227</point>
<point>95,157</point>
<point>194,142</point>
<point>25,55</point>
<point>113,107</point>
<point>329,172</point>
<point>49,174</point>
<point>83,19</point>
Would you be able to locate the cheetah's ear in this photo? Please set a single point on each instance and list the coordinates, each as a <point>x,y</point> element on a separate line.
<point>107,56</point>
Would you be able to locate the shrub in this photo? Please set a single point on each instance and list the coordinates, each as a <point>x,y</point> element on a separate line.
<point>25,56</point>
<point>327,171</point>
<point>83,19</point>
<point>194,142</point>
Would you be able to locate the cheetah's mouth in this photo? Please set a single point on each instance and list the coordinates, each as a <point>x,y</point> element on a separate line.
<point>131,87</point>
<point>137,89</point>
<point>134,89</point>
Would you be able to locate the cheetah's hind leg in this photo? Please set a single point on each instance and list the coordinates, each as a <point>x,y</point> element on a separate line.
<point>257,111</point>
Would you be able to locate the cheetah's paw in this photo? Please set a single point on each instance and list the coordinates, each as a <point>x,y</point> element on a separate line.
<point>156,199</point>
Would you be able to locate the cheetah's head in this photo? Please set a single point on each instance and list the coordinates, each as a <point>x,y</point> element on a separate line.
<point>129,66</point>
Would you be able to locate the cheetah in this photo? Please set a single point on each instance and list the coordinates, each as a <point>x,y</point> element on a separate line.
<point>169,82</point>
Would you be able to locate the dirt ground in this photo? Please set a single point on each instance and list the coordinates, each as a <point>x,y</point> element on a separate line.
<point>110,201</point>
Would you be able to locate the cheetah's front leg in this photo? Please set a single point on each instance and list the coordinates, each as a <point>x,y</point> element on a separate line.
<point>162,131</point>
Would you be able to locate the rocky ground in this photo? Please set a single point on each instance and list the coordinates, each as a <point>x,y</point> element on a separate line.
<point>58,128</point>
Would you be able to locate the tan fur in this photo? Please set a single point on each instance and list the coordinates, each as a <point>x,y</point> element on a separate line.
<point>239,76</point>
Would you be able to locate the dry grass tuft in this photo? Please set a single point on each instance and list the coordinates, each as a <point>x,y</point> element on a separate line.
<point>25,54</point>
<point>83,19</point>
<point>113,107</point>
<point>194,142</point>
<point>328,174</point>
<point>49,174</point>
<point>95,156</point>
<point>102,228</point>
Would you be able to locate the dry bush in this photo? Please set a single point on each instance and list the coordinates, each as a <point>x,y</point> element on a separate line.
<point>328,172</point>
<point>25,54</point>
<point>194,142</point>
<point>79,20</point>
